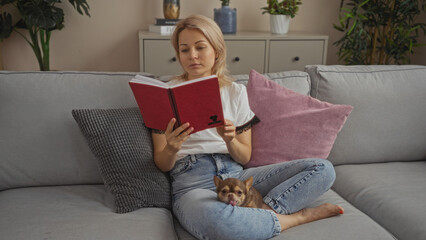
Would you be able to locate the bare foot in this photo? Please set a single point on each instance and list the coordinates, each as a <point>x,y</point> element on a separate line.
<point>309,215</point>
<point>323,211</point>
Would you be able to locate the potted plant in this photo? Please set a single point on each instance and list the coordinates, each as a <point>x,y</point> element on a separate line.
<point>379,31</point>
<point>280,14</point>
<point>226,18</point>
<point>39,18</point>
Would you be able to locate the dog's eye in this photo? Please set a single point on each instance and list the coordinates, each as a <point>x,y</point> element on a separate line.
<point>223,191</point>
<point>239,193</point>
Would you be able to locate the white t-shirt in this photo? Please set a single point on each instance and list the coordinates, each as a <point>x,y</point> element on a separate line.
<point>235,108</point>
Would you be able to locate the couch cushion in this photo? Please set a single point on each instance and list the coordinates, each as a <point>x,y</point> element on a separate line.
<point>352,225</point>
<point>123,146</point>
<point>295,80</point>
<point>388,120</point>
<point>40,142</point>
<point>393,194</point>
<point>293,126</point>
<point>76,212</point>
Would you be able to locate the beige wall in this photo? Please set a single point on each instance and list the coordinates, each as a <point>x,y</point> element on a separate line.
<point>108,40</point>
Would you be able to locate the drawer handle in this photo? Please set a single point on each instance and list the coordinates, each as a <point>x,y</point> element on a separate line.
<point>236,59</point>
<point>296,59</point>
<point>173,59</point>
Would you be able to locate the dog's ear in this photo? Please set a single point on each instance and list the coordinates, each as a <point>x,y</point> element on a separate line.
<point>217,181</point>
<point>248,182</point>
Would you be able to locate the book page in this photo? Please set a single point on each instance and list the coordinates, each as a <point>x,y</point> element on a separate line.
<point>149,81</point>
<point>194,80</point>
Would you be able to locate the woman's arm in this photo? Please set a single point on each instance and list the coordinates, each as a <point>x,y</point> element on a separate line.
<point>168,144</point>
<point>239,146</point>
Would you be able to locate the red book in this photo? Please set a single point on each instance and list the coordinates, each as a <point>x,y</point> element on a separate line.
<point>195,101</point>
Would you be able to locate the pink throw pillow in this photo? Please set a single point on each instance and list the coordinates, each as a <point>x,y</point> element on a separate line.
<point>292,125</point>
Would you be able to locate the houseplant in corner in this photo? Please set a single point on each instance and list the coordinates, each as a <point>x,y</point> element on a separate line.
<point>379,31</point>
<point>280,14</point>
<point>39,18</point>
<point>226,18</point>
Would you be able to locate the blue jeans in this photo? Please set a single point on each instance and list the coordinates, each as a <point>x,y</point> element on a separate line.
<point>286,187</point>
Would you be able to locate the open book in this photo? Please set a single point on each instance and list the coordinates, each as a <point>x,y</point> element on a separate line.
<point>195,101</point>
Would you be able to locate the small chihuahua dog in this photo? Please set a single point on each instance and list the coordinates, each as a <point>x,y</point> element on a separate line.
<point>238,193</point>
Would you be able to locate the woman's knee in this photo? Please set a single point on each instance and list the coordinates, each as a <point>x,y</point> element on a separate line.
<point>326,169</point>
<point>227,222</point>
<point>202,214</point>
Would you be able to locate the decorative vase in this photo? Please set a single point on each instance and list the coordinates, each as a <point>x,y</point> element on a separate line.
<point>280,24</point>
<point>226,18</point>
<point>171,9</point>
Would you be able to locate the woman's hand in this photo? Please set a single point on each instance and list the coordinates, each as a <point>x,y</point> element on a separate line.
<point>227,131</point>
<point>239,146</point>
<point>167,145</point>
<point>175,138</point>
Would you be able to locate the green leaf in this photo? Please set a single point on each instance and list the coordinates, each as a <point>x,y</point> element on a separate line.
<point>82,5</point>
<point>6,26</point>
<point>225,2</point>
<point>363,3</point>
<point>349,15</point>
<point>283,7</point>
<point>41,14</point>
<point>21,24</point>
<point>414,28</point>
<point>362,16</point>
<point>346,9</point>
<point>339,28</point>
<point>4,2</point>
<point>352,28</point>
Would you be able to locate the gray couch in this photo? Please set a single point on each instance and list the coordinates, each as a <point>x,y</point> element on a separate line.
<point>51,186</point>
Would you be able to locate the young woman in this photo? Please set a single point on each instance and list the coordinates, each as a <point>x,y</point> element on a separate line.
<point>194,159</point>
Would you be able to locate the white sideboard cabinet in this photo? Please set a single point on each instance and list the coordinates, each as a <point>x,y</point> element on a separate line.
<point>261,51</point>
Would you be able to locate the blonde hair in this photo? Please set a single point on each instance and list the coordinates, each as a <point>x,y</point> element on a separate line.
<point>215,37</point>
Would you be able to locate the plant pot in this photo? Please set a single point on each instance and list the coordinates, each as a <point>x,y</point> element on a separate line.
<point>226,18</point>
<point>279,24</point>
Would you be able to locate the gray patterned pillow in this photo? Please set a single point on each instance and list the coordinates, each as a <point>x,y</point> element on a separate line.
<point>122,144</point>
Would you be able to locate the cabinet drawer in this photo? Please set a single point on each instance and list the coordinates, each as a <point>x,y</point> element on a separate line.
<point>244,55</point>
<point>159,57</point>
<point>295,55</point>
